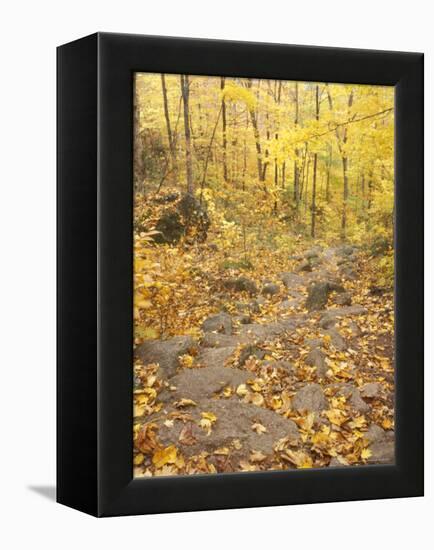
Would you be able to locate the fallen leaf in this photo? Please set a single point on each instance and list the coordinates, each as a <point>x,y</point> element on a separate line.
<point>259,428</point>
<point>257,456</point>
<point>186,436</point>
<point>365,454</point>
<point>298,458</point>
<point>242,390</point>
<point>164,456</point>
<point>186,360</point>
<point>207,421</point>
<point>138,459</point>
<point>336,416</point>
<point>224,451</point>
<point>185,403</point>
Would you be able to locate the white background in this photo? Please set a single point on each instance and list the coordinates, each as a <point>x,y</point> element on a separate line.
<point>30,31</point>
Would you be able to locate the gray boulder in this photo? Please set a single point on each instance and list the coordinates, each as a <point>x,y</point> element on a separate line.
<point>305,266</point>
<point>313,343</point>
<point>200,383</point>
<point>316,358</point>
<point>234,421</point>
<point>241,284</point>
<point>222,322</point>
<point>285,365</point>
<point>243,319</point>
<point>337,340</point>
<point>295,300</point>
<point>216,340</point>
<point>343,299</point>
<point>255,305</point>
<point>313,252</point>
<point>189,213</point>
<point>270,289</point>
<point>348,272</point>
<point>347,311</point>
<point>327,321</point>
<point>352,396</point>
<point>215,357</point>
<point>310,398</point>
<point>291,280</point>
<point>345,250</point>
<point>165,352</point>
<point>371,390</point>
<point>318,294</point>
<point>250,351</point>
<point>262,332</point>
<point>381,444</point>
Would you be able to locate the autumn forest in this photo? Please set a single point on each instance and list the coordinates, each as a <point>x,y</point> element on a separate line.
<point>263,274</point>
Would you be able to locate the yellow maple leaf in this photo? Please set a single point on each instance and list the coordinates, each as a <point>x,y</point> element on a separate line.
<point>257,399</point>
<point>387,424</point>
<point>247,467</point>
<point>276,403</point>
<point>365,454</point>
<point>306,422</point>
<point>258,428</point>
<point>138,459</point>
<point>357,422</point>
<point>164,456</point>
<point>186,360</point>
<point>207,421</point>
<point>300,459</point>
<point>139,410</point>
<point>143,304</point>
<point>223,451</point>
<point>227,391</point>
<point>242,390</point>
<point>257,456</point>
<point>336,416</point>
<point>209,416</point>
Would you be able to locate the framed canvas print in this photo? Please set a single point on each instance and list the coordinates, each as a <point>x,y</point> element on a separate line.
<point>240,274</point>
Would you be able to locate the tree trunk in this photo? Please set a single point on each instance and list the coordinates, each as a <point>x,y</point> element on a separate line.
<point>276,137</point>
<point>342,140</point>
<point>315,160</point>
<point>202,185</point>
<point>254,121</point>
<point>302,175</point>
<point>297,153</point>
<point>329,167</point>
<point>257,145</point>
<point>345,174</point>
<point>223,107</point>
<point>167,117</point>
<point>370,187</point>
<point>267,142</point>
<point>306,185</point>
<point>188,160</point>
<point>345,197</point>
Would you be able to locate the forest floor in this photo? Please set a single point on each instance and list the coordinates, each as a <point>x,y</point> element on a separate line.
<point>294,371</point>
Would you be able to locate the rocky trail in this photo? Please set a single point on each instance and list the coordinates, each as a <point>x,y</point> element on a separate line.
<point>296,373</point>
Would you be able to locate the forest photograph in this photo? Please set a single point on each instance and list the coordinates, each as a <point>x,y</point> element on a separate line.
<point>263,275</point>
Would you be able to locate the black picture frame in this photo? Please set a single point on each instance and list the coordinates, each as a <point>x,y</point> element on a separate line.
<point>95,201</point>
